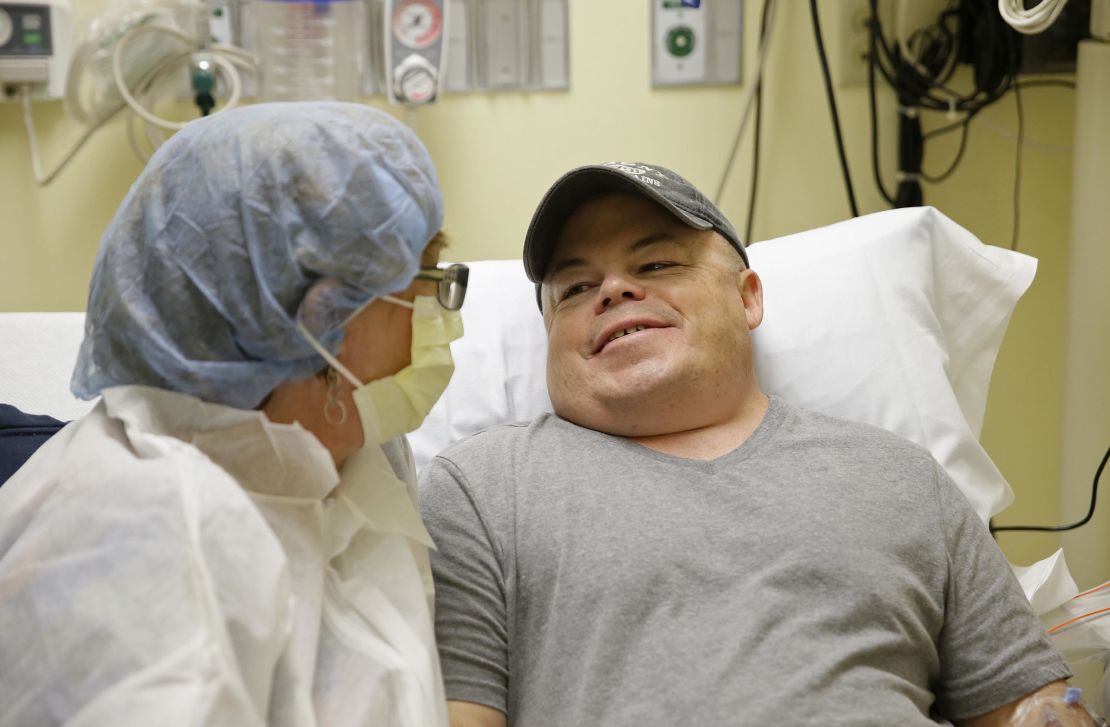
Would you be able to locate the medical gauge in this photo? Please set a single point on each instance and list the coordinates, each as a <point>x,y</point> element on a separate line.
<point>36,41</point>
<point>414,49</point>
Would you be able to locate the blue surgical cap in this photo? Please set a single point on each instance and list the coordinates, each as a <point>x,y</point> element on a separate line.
<point>243,225</point>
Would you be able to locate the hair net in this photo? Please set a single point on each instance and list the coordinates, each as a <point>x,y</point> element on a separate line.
<point>242,225</point>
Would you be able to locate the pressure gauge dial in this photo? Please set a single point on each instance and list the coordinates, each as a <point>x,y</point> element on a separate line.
<point>415,81</point>
<point>417,23</point>
<point>5,27</point>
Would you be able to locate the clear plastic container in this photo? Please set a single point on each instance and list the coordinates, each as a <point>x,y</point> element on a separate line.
<point>309,50</point>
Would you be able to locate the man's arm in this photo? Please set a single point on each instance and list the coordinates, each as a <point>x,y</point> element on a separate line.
<point>470,714</point>
<point>994,652</point>
<point>471,616</point>
<point>1050,695</point>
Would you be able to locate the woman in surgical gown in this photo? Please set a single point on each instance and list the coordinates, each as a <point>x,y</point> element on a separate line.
<point>229,537</point>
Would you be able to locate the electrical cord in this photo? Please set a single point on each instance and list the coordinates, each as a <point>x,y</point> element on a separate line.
<point>1017,166</point>
<point>746,103</point>
<point>919,67</point>
<point>996,48</point>
<point>832,107</point>
<point>41,178</point>
<point>873,104</point>
<point>965,125</point>
<point>223,57</point>
<point>941,131</point>
<point>1030,83</point>
<point>756,133</point>
<point>1062,528</point>
<point>749,225</point>
<point>1082,617</point>
<point>222,63</point>
<point>1035,20</point>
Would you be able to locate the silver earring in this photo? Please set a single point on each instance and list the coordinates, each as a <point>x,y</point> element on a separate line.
<point>335,411</point>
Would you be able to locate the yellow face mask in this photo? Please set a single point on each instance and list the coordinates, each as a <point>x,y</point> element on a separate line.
<point>401,401</point>
<point>394,405</point>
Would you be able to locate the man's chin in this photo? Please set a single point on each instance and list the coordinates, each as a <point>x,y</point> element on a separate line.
<point>628,413</point>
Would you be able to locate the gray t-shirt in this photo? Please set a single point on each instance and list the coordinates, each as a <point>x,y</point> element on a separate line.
<point>823,572</point>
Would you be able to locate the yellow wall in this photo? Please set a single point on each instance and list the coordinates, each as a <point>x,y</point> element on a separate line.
<point>497,153</point>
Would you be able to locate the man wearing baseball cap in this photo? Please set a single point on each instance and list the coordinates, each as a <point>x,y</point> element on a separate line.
<point>672,546</point>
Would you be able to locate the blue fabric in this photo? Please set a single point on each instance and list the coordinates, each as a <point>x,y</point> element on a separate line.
<point>20,435</point>
<point>243,224</point>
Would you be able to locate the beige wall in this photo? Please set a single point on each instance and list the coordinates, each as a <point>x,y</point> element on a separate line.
<point>496,155</point>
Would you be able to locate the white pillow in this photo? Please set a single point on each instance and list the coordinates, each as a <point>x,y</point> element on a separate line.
<point>37,352</point>
<point>893,319</point>
<point>500,362</point>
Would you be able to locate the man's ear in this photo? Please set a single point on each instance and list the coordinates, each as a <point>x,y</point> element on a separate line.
<point>751,292</point>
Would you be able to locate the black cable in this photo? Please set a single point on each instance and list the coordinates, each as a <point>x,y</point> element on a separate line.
<point>1017,165</point>
<point>963,123</point>
<point>941,131</point>
<point>205,102</point>
<point>832,107</point>
<point>966,124</point>
<point>1061,528</point>
<point>873,105</point>
<point>756,133</point>
<point>965,32</point>
<point>995,44</point>
<point>750,225</point>
<point>911,148</point>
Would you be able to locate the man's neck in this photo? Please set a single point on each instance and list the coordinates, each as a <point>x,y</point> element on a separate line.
<point>711,441</point>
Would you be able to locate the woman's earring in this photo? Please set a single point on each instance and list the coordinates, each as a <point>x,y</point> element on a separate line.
<point>335,411</point>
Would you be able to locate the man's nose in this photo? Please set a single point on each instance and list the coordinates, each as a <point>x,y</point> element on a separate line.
<point>617,289</point>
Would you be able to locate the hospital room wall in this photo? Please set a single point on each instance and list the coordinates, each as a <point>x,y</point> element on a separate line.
<point>496,154</point>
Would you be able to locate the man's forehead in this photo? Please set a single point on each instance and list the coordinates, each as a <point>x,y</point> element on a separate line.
<point>571,253</point>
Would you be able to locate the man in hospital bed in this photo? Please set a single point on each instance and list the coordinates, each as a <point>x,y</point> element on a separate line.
<point>673,546</point>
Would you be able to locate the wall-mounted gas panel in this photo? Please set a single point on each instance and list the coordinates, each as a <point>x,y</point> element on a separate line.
<point>508,45</point>
<point>696,42</point>
<point>487,45</point>
<point>491,45</point>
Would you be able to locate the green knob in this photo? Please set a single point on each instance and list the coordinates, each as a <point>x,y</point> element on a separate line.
<point>680,40</point>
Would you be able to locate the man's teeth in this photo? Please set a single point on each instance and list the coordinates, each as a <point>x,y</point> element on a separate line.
<point>625,332</point>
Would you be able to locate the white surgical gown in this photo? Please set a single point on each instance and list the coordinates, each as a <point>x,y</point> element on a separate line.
<point>165,561</point>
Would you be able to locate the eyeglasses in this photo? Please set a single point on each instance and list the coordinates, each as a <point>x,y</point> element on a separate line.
<point>450,283</point>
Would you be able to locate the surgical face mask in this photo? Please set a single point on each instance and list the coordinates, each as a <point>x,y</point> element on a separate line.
<point>397,404</point>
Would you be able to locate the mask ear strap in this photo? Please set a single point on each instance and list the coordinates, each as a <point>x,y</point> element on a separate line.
<point>329,357</point>
<point>397,301</point>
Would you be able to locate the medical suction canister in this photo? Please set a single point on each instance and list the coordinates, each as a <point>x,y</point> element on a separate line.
<point>311,50</point>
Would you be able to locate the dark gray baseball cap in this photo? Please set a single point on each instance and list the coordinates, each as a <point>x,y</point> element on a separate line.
<point>657,183</point>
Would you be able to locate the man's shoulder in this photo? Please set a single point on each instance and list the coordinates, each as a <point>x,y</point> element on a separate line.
<point>494,444</point>
<point>834,432</point>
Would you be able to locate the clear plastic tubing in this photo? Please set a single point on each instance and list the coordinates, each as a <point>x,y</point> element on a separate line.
<point>309,49</point>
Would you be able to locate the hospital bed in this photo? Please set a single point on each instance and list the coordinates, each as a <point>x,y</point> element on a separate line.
<point>893,319</point>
